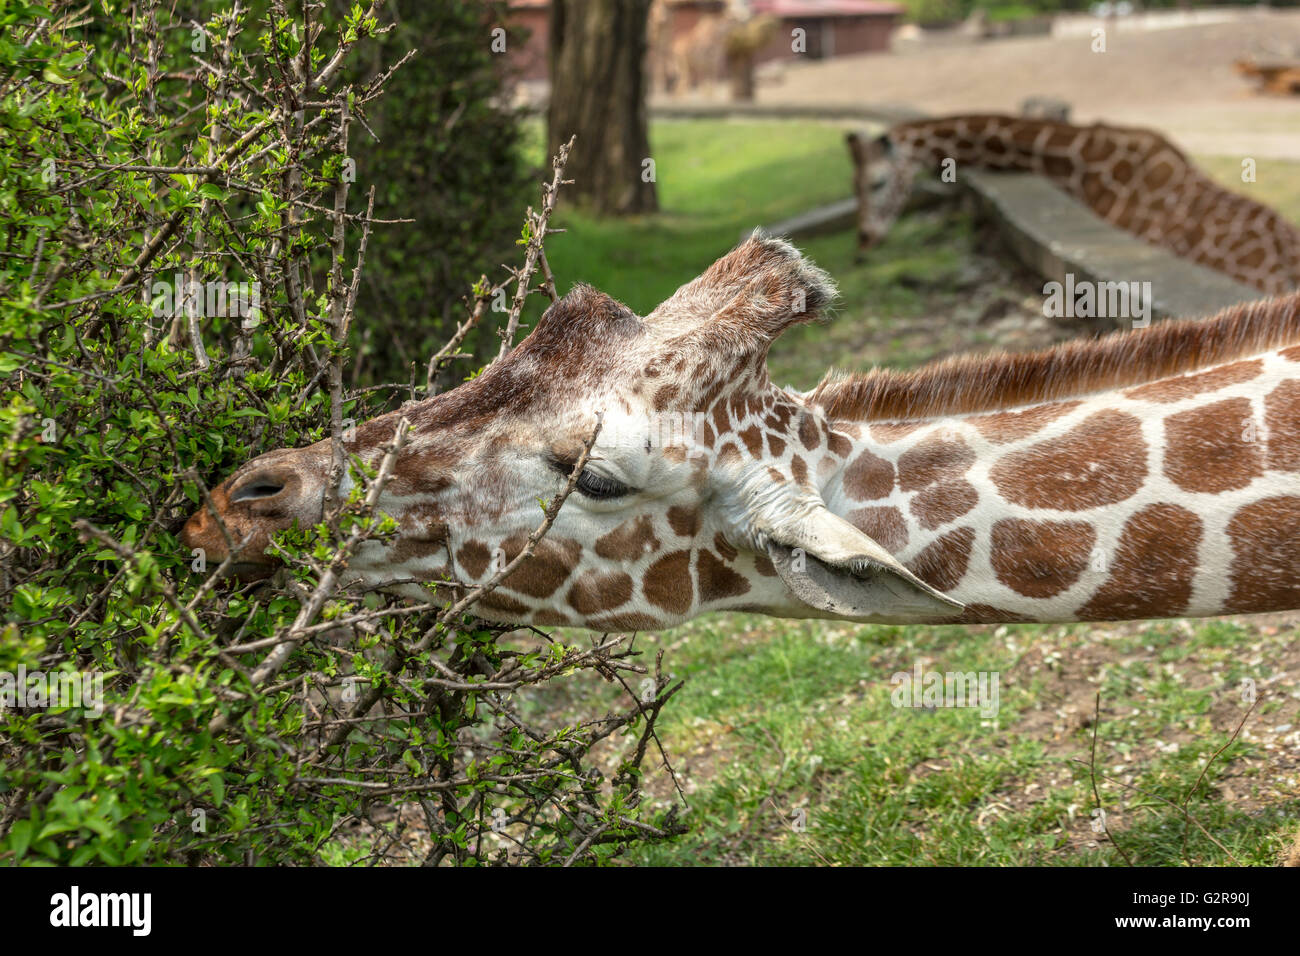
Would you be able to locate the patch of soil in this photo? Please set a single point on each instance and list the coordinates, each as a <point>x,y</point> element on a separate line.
<point>1071,669</point>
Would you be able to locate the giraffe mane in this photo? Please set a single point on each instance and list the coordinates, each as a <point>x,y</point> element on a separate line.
<point>968,384</point>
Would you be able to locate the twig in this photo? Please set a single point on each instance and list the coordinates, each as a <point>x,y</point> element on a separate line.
<point>1092,772</point>
<point>538,223</point>
<point>325,587</point>
<point>450,613</point>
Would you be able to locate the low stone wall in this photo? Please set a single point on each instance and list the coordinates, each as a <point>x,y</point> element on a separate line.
<point>881,114</point>
<point>1061,240</point>
<point>1055,235</point>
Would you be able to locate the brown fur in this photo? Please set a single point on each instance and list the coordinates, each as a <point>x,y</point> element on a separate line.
<point>993,382</point>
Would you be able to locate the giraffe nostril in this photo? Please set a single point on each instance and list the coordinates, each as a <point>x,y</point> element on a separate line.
<point>258,487</point>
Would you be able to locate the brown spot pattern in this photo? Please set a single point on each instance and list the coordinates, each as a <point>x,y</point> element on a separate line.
<point>1151,575</point>
<point>1265,555</point>
<point>502,603</point>
<point>1040,559</point>
<point>716,579</point>
<point>664,396</point>
<point>886,432</point>
<point>1282,416</point>
<point>541,574</point>
<point>545,617</point>
<point>1003,427</point>
<point>933,460</point>
<point>1206,448</point>
<point>594,591</point>
<point>868,477</point>
<point>684,521</point>
<point>809,433</point>
<point>886,526</point>
<point>473,556</point>
<point>939,504</point>
<point>667,583</point>
<point>721,420</point>
<point>628,621</point>
<point>628,541</point>
<point>1187,386</point>
<point>799,470</point>
<point>1101,461</point>
<point>942,563</point>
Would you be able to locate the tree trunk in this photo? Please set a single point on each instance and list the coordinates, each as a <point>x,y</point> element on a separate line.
<point>741,68</point>
<point>598,87</point>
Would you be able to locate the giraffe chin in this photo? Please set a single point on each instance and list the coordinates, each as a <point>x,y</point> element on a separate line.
<point>869,589</point>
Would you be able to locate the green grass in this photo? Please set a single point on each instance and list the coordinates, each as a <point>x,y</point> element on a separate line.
<point>714,180</point>
<point>778,716</point>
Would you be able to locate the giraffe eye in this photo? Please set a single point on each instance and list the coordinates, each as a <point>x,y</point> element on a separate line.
<point>598,486</point>
<point>591,484</point>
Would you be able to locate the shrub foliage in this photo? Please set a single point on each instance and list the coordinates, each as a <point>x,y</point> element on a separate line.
<point>144,157</point>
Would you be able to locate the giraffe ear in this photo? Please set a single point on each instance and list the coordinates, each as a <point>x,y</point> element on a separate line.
<point>835,568</point>
<point>751,294</point>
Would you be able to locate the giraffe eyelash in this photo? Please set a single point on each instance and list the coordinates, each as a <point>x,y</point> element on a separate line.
<point>591,484</point>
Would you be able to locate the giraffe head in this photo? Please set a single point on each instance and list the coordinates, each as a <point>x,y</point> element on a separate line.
<point>884,182</point>
<point>701,492</point>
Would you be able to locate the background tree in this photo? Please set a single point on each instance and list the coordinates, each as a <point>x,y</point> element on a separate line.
<point>598,87</point>
<point>445,155</point>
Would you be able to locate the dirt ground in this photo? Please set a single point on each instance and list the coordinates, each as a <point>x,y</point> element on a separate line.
<point>1180,81</point>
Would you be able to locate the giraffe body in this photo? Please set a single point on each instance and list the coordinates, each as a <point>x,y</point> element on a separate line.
<point>1134,179</point>
<point>1146,474</point>
<point>1169,498</point>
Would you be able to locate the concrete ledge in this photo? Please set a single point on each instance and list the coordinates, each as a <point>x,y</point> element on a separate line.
<point>843,213</point>
<point>1054,234</point>
<point>833,217</point>
<point>886,114</point>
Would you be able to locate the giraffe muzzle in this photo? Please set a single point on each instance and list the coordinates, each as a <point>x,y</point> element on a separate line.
<point>268,495</point>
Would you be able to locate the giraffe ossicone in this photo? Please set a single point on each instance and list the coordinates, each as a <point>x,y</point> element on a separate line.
<point>1152,473</point>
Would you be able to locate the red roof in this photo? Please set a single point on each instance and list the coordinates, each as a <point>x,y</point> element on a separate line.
<point>796,9</point>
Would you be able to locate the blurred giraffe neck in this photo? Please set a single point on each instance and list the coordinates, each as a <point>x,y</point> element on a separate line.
<point>1133,178</point>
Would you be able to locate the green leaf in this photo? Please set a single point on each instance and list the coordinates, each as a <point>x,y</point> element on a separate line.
<point>20,837</point>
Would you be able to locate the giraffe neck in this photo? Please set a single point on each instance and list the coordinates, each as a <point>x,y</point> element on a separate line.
<point>1177,497</point>
<point>1133,178</point>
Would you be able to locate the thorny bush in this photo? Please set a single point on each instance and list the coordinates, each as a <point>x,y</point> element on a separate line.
<point>144,157</point>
